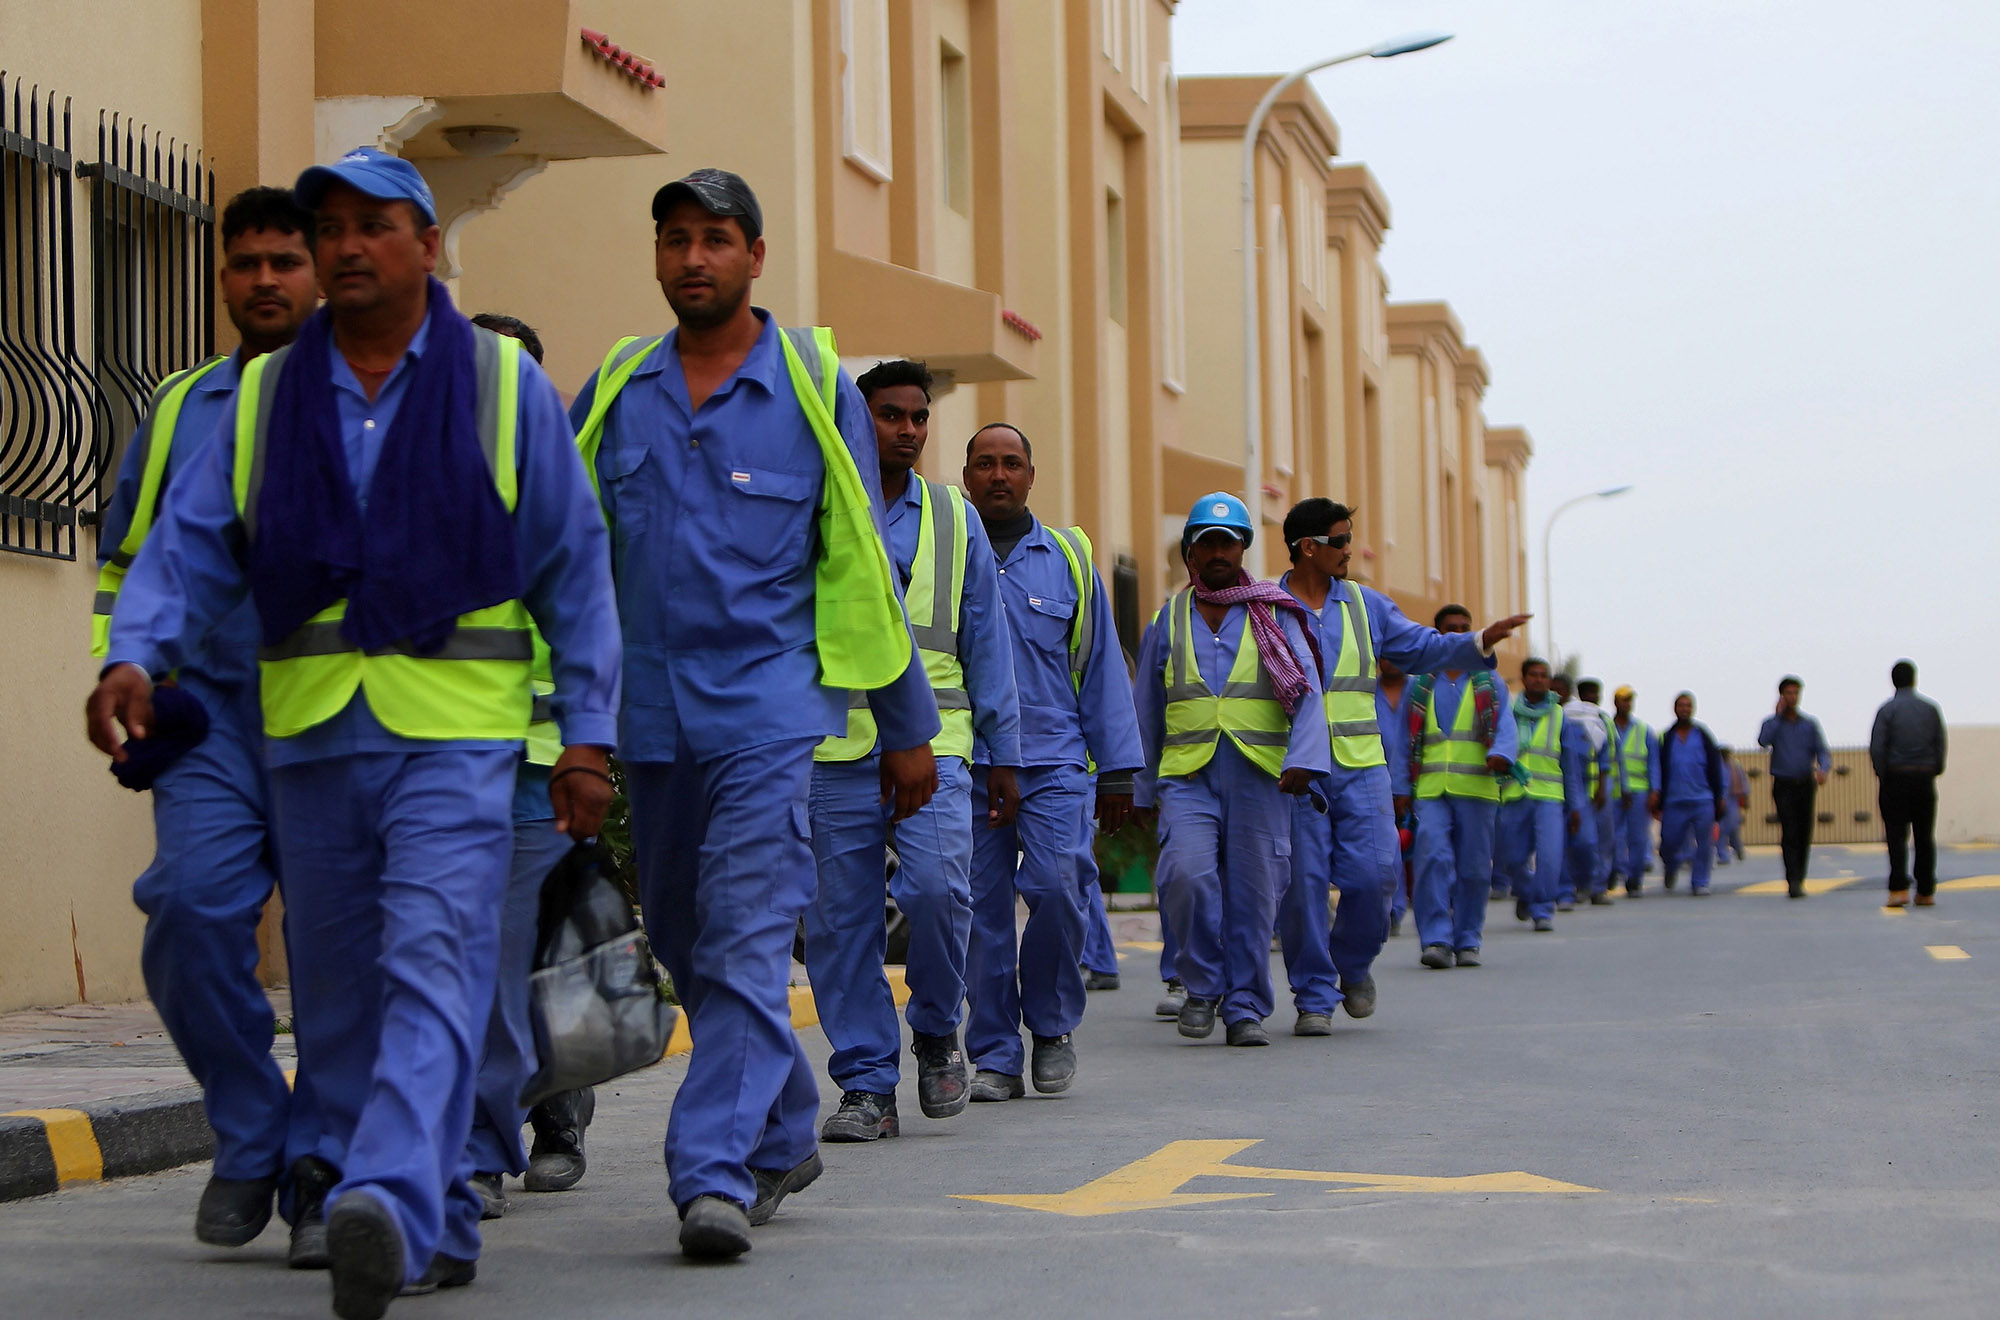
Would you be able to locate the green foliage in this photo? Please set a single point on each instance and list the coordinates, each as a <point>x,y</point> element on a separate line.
<point>1118,854</point>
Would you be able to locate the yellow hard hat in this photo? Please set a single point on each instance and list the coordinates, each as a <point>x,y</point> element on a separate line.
<point>1624,690</point>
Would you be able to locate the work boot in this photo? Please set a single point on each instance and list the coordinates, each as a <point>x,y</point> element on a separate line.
<point>990,1087</point>
<point>1310,1024</point>
<point>1543,923</point>
<point>1926,900</point>
<point>1795,889</point>
<point>556,1162</point>
<point>1520,909</point>
<point>365,1251</point>
<point>1898,898</point>
<point>1436,956</point>
<point>1699,891</point>
<point>774,1185</point>
<point>1496,894</point>
<point>1632,889</point>
<point>312,1179</point>
<point>1468,957</point>
<point>1053,1066</point>
<point>233,1211</point>
<point>1395,924</point>
<point>1099,980</point>
<point>862,1116</point>
<point>942,1088</point>
<point>1358,997</point>
<point>1170,1002</point>
<point>1668,877</point>
<point>492,1190</point>
<point>1566,905</point>
<point>714,1228</point>
<point>1602,900</point>
<point>1198,1017</point>
<point>1248,1032</point>
<point>443,1272</point>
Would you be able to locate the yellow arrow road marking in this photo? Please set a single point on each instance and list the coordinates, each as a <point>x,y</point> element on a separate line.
<point>1972,882</point>
<point>1946,952</point>
<point>1153,1183</point>
<point>1821,886</point>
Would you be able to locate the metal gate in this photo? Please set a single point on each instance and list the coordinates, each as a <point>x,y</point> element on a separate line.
<point>1844,810</point>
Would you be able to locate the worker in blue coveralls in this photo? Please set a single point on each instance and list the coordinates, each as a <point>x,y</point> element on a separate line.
<point>1233,721</point>
<point>1637,753</point>
<point>1076,713</point>
<point>952,591</point>
<point>398,529</point>
<point>1537,817</point>
<point>738,471</point>
<point>494,1149</point>
<point>212,871</point>
<point>1735,797</point>
<point>1589,706</point>
<point>1690,799</point>
<point>1352,844</point>
<point>1462,740</point>
<point>1392,717</point>
<point>1586,873</point>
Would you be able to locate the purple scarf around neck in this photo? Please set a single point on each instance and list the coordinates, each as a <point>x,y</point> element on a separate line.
<point>1288,680</point>
<point>437,541</point>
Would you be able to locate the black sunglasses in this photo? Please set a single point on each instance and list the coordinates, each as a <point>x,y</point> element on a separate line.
<point>1330,542</point>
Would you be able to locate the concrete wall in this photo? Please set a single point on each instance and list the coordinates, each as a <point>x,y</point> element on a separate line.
<point>1969,791</point>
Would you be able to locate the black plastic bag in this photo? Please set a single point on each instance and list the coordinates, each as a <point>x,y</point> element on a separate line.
<point>594,996</point>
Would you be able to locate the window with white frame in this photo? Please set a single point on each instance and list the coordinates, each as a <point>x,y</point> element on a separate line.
<point>864,86</point>
<point>1170,282</point>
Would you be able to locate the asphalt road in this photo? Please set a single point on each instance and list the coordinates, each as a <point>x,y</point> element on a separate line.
<point>1739,1106</point>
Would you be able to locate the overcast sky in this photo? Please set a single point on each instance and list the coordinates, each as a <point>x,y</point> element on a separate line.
<point>1738,253</point>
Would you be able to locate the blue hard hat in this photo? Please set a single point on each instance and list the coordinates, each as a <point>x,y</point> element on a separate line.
<point>1217,509</point>
<point>372,173</point>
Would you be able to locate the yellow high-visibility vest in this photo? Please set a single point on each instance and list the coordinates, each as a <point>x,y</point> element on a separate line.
<point>1247,709</point>
<point>1541,757</point>
<point>1454,763</point>
<point>934,600</point>
<point>156,440</point>
<point>1350,692</point>
<point>476,685</point>
<point>1632,753</point>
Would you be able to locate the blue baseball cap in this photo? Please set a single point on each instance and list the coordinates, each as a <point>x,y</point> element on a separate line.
<point>372,173</point>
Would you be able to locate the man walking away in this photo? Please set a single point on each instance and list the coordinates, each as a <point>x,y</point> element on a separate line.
<point>1393,720</point>
<point>1591,870</point>
<point>1735,797</point>
<point>1536,817</point>
<point>1907,749</point>
<point>1638,754</point>
<point>1689,800</point>
<point>1800,763</point>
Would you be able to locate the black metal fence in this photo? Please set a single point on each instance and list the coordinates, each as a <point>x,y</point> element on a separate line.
<point>149,265</point>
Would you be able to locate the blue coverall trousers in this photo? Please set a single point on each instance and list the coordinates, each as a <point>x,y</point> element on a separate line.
<point>846,940</point>
<point>509,1060</point>
<point>1729,838</point>
<point>1038,985</point>
<point>725,872</point>
<point>203,897</point>
<point>1351,847</point>
<point>397,862</point>
<point>1100,953</point>
<point>1583,868</point>
<point>1225,861</point>
<point>1610,857</point>
<point>1454,869</point>
<point>1532,828</point>
<point>1687,838</point>
<point>1635,839</point>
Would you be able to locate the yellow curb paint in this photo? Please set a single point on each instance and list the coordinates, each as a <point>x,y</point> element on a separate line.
<point>1946,952</point>
<point>1820,886</point>
<point>899,987</point>
<point>72,1143</point>
<point>1895,912</point>
<point>1143,946</point>
<point>1972,882</point>
<point>678,1040</point>
<point>1154,1182</point>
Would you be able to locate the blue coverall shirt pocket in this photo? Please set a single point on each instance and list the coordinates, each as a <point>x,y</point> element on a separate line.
<point>769,512</point>
<point>633,483</point>
<point>1048,623</point>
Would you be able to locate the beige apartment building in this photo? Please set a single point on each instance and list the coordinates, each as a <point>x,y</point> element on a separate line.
<point>1019,192</point>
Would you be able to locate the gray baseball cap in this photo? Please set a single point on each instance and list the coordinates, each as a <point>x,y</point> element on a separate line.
<point>716,191</point>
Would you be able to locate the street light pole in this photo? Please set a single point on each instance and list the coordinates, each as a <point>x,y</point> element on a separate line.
<point>1253,358</point>
<point>1548,598</point>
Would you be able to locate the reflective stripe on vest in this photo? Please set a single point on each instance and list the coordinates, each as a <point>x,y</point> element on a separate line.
<point>544,739</point>
<point>1075,546</point>
<point>942,545</point>
<point>1632,755</point>
<point>1541,758</point>
<point>858,621</point>
<point>1247,709</point>
<point>1350,692</point>
<point>477,684</point>
<point>156,441</point>
<point>1454,763</point>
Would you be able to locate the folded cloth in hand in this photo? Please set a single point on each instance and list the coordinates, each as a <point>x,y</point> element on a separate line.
<point>180,722</point>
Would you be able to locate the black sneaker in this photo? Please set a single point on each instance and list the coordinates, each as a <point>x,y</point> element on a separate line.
<point>862,1116</point>
<point>491,1189</point>
<point>556,1162</point>
<point>1099,980</point>
<point>443,1272</point>
<point>1520,909</point>
<point>366,1250</point>
<point>714,1228</point>
<point>942,1088</point>
<point>990,1087</point>
<point>312,1179</point>
<point>233,1211</point>
<point>774,1186</point>
<point>1197,1017</point>
<point>1053,1064</point>
<point>1358,997</point>
<point>1171,1001</point>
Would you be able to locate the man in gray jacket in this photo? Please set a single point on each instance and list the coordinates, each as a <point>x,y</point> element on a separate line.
<point>1907,748</point>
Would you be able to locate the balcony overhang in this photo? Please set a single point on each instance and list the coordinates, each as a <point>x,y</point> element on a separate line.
<point>885,310</point>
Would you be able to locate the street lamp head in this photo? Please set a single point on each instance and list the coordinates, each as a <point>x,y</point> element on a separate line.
<point>1615,490</point>
<point>1407,45</point>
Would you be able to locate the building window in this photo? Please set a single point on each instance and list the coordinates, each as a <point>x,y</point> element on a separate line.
<point>864,86</point>
<point>955,128</point>
<point>1114,255</point>
<point>1278,341</point>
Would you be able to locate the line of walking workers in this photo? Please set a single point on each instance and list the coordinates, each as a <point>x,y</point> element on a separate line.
<point>374,610</point>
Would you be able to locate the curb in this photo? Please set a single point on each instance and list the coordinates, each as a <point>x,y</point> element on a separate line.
<point>44,1150</point>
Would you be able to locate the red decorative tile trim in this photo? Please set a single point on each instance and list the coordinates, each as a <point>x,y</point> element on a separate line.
<point>624,61</point>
